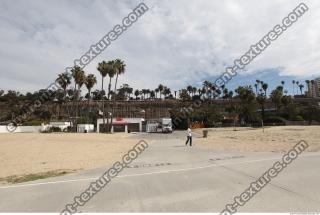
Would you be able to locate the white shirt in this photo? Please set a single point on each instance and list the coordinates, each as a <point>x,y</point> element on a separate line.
<point>189,132</point>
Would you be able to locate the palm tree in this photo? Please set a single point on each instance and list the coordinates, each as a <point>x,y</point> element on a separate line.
<point>64,80</point>
<point>156,91</point>
<point>79,78</point>
<point>189,88</point>
<point>152,94</point>
<point>293,82</point>
<point>282,83</point>
<point>136,93</point>
<point>265,87</point>
<point>301,86</point>
<point>308,87</point>
<point>261,99</point>
<point>144,92</point>
<point>129,90</point>
<point>103,69</point>
<point>166,91</point>
<point>119,68</point>
<point>160,87</point>
<point>256,87</point>
<point>111,72</point>
<point>91,80</point>
<point>297,83</point>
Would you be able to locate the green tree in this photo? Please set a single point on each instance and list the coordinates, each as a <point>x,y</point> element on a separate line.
<point>276,96</point>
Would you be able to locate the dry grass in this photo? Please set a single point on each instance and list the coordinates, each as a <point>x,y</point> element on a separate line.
<point>14,179</point>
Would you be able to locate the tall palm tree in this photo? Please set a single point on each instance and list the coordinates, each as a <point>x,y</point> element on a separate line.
<point>189,88</point>
<point>110,72</point>
<point>293,82</point>
<point>91,80</point>
<point>297,83</point>
<point>103,69</point>
<point>308,87</point>
<point>79,78</point>
<point>160,87</point>
<point>144,92</point>
<point>129,90</point>
<point>206,86</point>
<point>136,93</point>
<point>64,80</point>
<point>265,87</point>
<point>119,69</point>
<point>152,94</point>
<point>256,87</point>
<point>301,86</point>
<point>166,91</point>
<point>156,91</point>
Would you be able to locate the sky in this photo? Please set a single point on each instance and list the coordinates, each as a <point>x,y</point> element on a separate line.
<point>175,43</point>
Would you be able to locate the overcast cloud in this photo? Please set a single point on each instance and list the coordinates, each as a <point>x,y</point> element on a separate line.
<point>177,42</point>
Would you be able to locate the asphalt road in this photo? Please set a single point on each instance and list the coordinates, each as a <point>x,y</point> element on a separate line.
<point>170,177</point>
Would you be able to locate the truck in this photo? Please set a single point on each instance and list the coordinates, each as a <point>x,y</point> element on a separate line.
<point>166,124</point>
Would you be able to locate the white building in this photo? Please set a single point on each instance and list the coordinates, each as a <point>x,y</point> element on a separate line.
<point>85,128</point>
<point>123,124</point>
<point>61,125</point>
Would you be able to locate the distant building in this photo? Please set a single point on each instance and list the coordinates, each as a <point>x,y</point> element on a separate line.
<point>123,124</point>
<point>314,88</point>
<point>317,87</point>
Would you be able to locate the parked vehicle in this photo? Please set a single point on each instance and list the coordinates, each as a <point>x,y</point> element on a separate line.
<point>166,124</point>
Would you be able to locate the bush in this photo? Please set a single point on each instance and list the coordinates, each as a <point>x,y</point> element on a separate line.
<point>298,118</point>
<point>68,129</point>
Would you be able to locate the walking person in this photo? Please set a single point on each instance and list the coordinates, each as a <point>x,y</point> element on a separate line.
<point>189,137</point>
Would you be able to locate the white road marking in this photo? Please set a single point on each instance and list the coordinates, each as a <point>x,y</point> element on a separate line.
<point>149,173</point>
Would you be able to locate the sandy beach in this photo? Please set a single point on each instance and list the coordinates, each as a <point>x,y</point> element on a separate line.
<point>30,153</point>
<point>273,139</point>
<point>26,153</point>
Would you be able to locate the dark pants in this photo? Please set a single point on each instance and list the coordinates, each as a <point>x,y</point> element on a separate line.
<point>189,139</point>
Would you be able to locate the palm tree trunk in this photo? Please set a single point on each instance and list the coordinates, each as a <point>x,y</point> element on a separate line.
<point>88,109</point>
<point>114,99</point>
<point>103,115</point>
<point>74,104</point>
<point>109,88</point>
<point>67,108</point>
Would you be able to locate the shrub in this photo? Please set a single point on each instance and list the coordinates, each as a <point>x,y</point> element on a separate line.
<point>298,118</point>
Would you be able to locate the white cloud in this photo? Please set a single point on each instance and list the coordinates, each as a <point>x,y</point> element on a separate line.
<point>175,43</point>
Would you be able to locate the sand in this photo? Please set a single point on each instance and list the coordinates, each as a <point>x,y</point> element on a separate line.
<point>273,139</point>
<point>26,153</point>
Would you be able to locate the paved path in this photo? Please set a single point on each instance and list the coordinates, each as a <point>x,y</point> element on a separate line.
<point>170,177</point>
